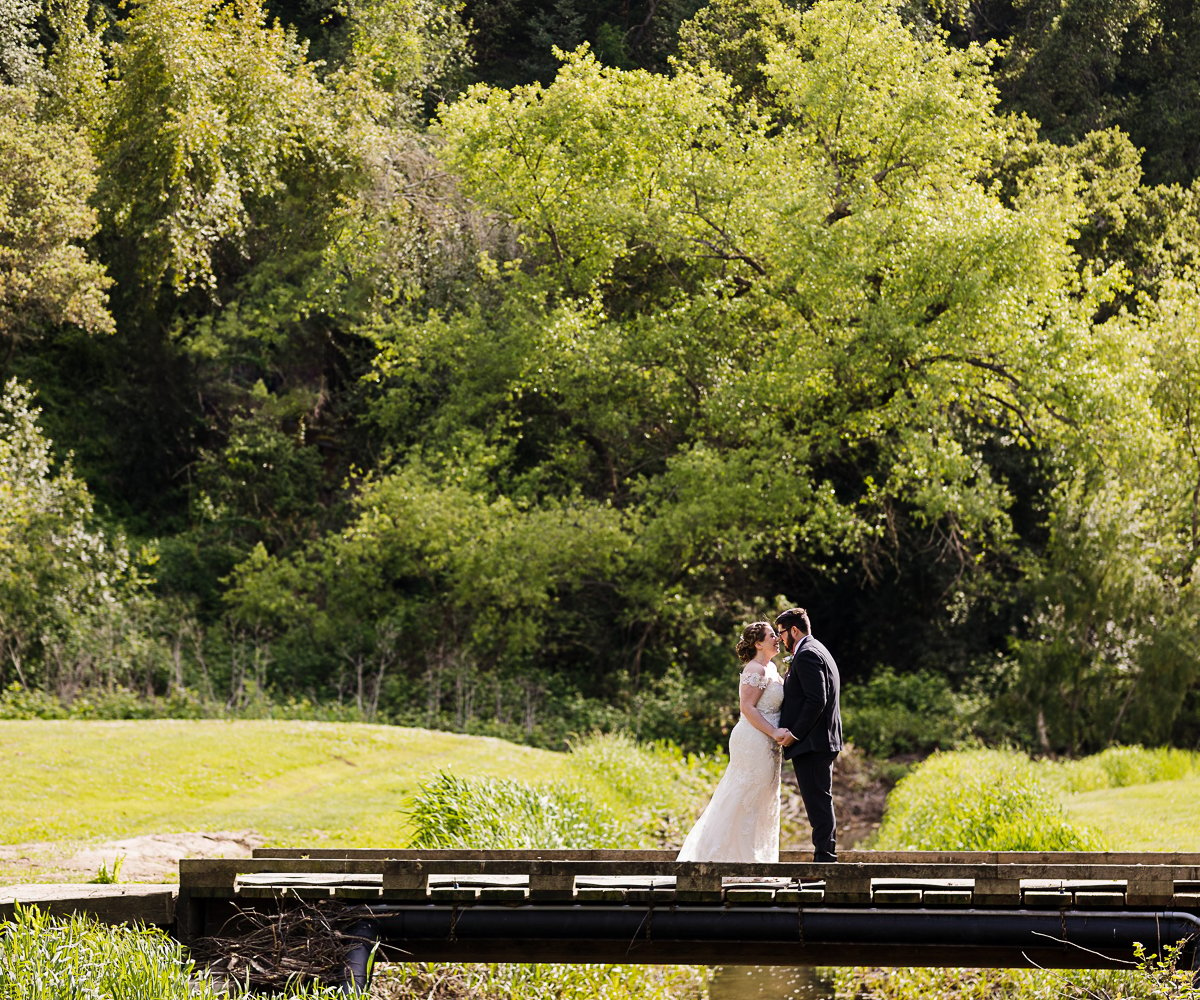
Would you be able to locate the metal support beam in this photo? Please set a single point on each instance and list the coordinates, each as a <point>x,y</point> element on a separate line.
<point>779,936</point>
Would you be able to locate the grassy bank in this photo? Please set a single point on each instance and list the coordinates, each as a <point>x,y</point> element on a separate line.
<point>311,783</point>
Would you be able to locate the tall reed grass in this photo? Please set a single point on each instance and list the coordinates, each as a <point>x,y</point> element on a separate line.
<point>1154,978</point>
<point>979,800</point>
<point>620,794</point>
<point>439,981</point>
<point>77,958</point>
<point>491,813</point>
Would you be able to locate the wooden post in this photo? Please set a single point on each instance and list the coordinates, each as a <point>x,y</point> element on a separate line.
<point>997,891</point>
<point>698,886</point>
<point>1150,892</point>
<point>847,885</point>
<point>407,879</point>
<point>551,886</point>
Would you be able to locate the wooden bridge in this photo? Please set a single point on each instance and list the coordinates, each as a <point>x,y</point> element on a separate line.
<point>972,909</point>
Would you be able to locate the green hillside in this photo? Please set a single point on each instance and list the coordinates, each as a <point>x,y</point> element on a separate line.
<point>308,783</point>
<point>1158,816</point>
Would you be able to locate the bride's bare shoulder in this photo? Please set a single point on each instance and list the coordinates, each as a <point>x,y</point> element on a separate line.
<point>754,674</point>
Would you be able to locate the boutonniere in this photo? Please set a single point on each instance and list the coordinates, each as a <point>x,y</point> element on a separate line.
<point>788,658</point>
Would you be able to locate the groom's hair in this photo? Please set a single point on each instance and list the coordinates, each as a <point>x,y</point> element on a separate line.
<point>794,616</point>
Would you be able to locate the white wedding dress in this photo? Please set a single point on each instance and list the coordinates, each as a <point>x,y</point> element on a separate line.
<point>741,821</point>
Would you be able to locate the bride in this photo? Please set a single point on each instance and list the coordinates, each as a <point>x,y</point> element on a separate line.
<point>741,822</point>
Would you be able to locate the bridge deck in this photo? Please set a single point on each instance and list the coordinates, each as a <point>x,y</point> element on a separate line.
<point>906,908</point>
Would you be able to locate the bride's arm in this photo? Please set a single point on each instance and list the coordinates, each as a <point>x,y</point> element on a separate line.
<point>748,694</point>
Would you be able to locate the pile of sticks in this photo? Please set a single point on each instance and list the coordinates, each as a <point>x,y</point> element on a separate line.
<point>299,942</point>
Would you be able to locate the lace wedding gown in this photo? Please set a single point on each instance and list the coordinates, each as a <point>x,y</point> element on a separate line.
<point>741,821</point>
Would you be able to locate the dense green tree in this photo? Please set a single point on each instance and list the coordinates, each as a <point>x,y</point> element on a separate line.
<point>68,590</point>
<point>47,277</point>
<point>736,304</point>
<point>786,350</point>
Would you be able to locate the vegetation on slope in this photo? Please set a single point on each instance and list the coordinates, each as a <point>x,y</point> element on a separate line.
<point>499,407</point>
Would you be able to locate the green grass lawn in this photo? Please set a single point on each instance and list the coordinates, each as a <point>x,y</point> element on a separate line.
<point>1161,816</point>
<point>295,783</point>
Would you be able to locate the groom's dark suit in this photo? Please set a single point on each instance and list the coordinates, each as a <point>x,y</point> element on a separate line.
<point>812,713</point>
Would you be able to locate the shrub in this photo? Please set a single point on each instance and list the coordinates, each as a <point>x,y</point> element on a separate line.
<point>19,702</point>
<point>1119,767</point>
<point>905,713</point>
<point>625,794</point>
<point>976,801</point>
<point>493,813</point>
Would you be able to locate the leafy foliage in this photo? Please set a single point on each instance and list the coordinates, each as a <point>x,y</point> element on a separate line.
<point>980,800</point>
<point>47,277</point>
<point>897,714</point>
<point>684,312</point>
<point>67,589</point>
<point>624,795</point>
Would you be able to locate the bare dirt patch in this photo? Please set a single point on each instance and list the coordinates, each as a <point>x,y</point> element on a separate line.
<point>860,791</point>
<point>151,858</point>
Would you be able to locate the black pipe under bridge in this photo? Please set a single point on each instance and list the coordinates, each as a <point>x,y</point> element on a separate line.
<point>909,908</point>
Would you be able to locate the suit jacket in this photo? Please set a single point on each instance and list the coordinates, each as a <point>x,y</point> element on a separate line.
<point>811,705</point>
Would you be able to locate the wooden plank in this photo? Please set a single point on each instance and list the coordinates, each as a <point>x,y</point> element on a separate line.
<point>946,897</point>
<point>798,870</point>
<point>598,894</point>
<point>119,903</point>
<point>1019,857</point>
<point>1150,892</point>
<point>1099,900</point>
<point>288,891</point>
<point>654,894</point>
<point>667,857</point>
<point>503,894</point>
<point>849,884</point>
<point>895,897</point>
<point>735,894</point>
<point>410,853</point>
<point>328,879</point>
<point>221,873</point>
<point>453,893</point>
<point>1047,897</point>
<point>359,893</point>
<point>801,896</point>
<point>550,873</point>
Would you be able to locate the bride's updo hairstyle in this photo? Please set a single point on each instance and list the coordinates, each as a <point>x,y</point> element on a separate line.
<point>752,633</point>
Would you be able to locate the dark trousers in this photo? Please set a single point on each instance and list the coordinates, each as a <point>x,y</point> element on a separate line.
<point>814,774</point>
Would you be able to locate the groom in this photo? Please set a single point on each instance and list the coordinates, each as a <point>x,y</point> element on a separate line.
<point>813,720</point>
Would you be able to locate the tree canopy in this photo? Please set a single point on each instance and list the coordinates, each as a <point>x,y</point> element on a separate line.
<point>480,379</point>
